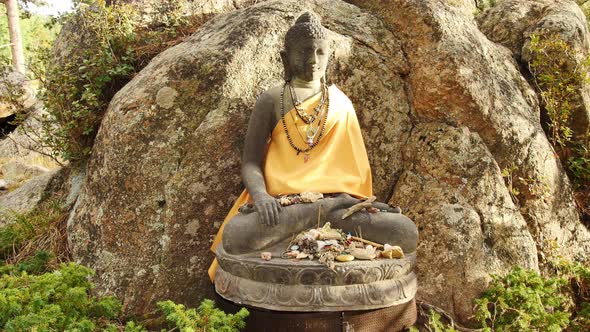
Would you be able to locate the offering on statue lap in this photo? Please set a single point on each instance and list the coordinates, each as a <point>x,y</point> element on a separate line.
<point>328,244</point>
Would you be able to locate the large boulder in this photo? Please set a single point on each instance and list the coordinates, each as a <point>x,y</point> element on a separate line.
<point>512,23</point>
<point>443,112</point>
<point>470,89</point>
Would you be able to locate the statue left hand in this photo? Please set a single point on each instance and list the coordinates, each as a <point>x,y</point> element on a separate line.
<point>268,210</point>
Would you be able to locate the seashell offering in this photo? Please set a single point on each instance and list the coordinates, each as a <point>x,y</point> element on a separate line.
<point>265,255</point>
<point>392,252</point>
<point>359,253</point>
<point>301,255</point>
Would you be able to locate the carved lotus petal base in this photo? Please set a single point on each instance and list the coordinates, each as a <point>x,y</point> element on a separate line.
<point>308,286</point>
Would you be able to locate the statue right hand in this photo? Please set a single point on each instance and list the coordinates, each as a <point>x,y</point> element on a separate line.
<point>268,210</point>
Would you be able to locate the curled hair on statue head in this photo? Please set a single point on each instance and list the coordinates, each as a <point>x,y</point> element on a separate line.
<point>307,26</point>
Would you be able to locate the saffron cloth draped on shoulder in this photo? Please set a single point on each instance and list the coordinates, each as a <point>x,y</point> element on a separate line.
<point>337,164</point>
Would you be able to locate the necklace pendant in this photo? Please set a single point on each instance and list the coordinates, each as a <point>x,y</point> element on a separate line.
<point>306,157</point>
<point>310,142</point>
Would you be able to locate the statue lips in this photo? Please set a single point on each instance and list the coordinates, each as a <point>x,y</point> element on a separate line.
<point>314,72</point>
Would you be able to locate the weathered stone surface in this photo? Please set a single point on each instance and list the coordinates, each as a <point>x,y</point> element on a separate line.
<point>469,226</point>
<point>443,112</point>
<point>23,157</point>
<point>13,84</point>
<point>23,143</point>
<point>475,116</point>
<point>16,170</point>
<point>512,23</point>
<point>23,199</point>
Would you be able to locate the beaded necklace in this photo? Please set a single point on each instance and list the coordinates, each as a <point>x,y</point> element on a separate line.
<point>312,142</point>
<point>307,118</point>
<point>311,131</point>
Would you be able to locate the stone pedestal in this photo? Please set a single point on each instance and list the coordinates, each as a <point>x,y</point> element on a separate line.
<point>390,319</point>
<point>308,286</point>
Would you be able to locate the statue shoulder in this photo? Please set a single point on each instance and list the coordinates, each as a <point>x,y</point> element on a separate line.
<point>270,97</point>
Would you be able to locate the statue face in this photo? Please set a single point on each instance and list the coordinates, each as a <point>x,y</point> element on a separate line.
<point>308,59</point>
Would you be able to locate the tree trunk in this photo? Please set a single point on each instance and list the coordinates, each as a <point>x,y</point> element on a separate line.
<point>16,44</point>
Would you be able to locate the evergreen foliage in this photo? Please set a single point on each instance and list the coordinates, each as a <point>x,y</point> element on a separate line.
<point>61,300</point>
<point>55,301</point>
<point>205,318</point>
<point>525,301</point>
<point>36,264</point>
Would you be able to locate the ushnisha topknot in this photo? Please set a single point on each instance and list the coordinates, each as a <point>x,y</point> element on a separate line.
<point>307,26</point>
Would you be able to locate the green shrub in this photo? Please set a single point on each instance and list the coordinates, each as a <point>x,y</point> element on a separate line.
<point>61,300</point>
<point>579,163</point>
<point>523,301</point>
<point>34,265</point>
<point>560,73</point>
<point>55,301</point>
<point>77,89</point>
<point>205,318</point>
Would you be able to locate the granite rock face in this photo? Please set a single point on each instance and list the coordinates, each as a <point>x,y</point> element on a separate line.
<point>512,23</point>
<point>443,112</point>
<point>469,100</point>
<point>25,198</point>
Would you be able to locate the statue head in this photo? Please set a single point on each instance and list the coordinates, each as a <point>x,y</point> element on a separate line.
<point>306,49</point>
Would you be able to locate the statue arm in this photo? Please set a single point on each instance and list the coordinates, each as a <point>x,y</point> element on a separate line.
<point>259,128</point>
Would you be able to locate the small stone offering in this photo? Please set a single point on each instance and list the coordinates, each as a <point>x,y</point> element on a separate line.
<point>266,255</point>
<point>345,258</point>
<point>311,197</point>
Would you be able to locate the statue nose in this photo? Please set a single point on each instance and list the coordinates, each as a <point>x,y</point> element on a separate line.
<point>313,59</point>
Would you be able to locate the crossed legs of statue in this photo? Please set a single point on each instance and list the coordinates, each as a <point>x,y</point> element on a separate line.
<point>245,234</point>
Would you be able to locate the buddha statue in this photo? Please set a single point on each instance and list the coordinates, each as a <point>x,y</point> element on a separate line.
<point>304,136</point>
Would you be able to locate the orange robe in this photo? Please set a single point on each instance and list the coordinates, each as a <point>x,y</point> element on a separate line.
<point>337,164</point>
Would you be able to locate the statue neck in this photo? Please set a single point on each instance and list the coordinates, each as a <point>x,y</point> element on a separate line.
<point>315,86</point>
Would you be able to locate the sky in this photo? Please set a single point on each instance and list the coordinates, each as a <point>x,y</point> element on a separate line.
<point>53,7</point>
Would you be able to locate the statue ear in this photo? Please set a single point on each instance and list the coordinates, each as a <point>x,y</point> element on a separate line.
<point>285,60</point>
